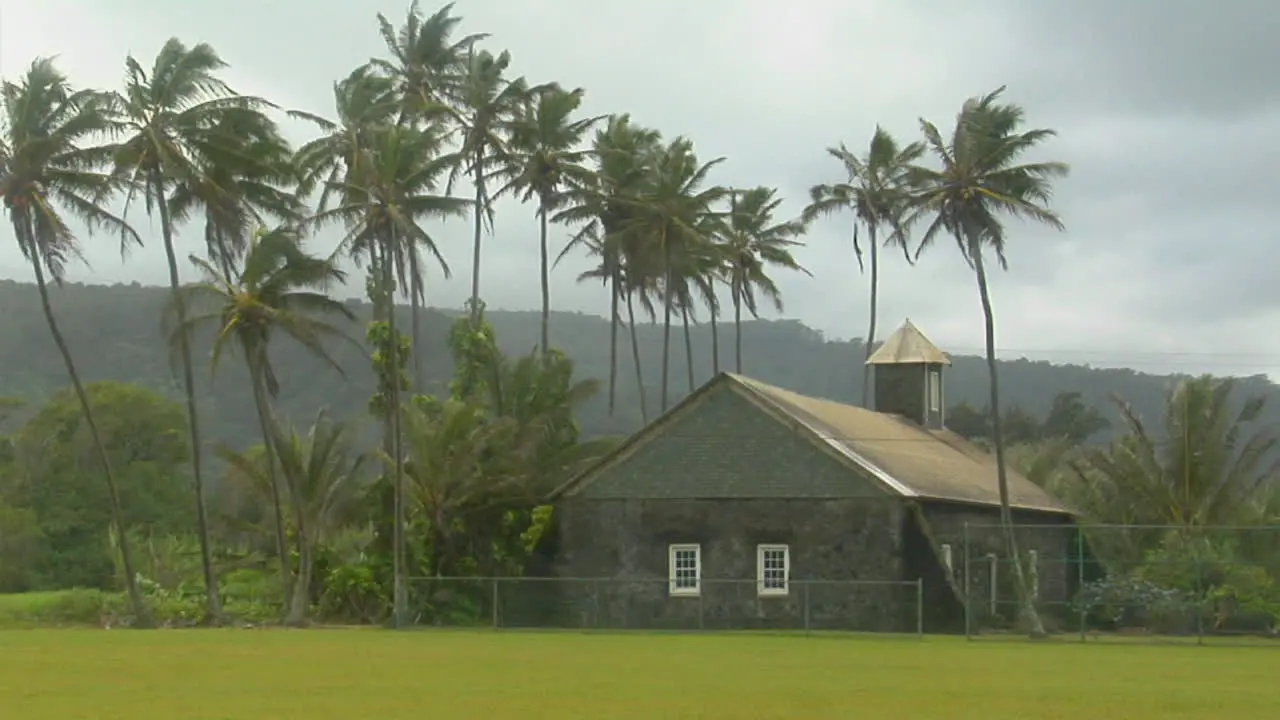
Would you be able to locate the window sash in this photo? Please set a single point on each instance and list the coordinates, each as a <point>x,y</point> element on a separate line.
<point>684,569</point>
<point>773,569</point>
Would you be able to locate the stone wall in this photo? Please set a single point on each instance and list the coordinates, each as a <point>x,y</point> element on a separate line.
<point>1051,537</point>
<point>619,549</point>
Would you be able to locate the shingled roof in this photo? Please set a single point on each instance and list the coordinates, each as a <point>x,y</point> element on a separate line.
<point>906,459</point>
<point>908,345</point>
<point>911,460</point>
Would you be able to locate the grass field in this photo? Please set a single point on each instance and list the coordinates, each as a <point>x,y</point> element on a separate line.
<point>319,674</point>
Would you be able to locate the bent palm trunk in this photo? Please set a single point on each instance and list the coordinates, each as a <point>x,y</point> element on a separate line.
<point>613,343</point>
<point>546,280</point>
<point>737,330</point>
<point>635,356</point>
<point>400,599</point>
<point>688,348</point>
<point>141,613</point>
<point>479,230</point>
<point>715,343</point>
<point>1034,626</point>
<point>269,448</point>
<point>213,598</point>
<point>871,324</point>
<point>416,301</point>
<point>666,319</point>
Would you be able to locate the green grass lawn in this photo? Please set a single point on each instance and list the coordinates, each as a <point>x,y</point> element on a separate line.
<point>318,674</point>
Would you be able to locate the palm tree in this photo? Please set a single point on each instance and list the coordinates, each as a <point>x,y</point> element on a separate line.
<point>667,213</point>
<point>425,74</point>
<point>544,161</point>
<point>426,66</point>
<point>45,168</point>
<point>978,181</point>
<point>389,192</point>
<point>242,182</point>
<point>488,105</point>
<point>752,241</point>
<point>623,153</point>
<point>875,194</point>
<point>175,120</point>
<point>1212,463</point>
<point>325,471</point>
<point>278,288</point>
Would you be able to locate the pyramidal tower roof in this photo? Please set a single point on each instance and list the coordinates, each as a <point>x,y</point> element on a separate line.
<point>908,346</point>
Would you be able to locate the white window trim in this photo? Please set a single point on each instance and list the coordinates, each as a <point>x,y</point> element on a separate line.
<point>935,391</point>
<point>761,551</point>
<point>672,551</point>
<point>948,558</point>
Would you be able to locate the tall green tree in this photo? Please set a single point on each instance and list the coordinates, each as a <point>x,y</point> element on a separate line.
<point>875,192</point>
<point>602,207</point>
<point>387,195</point>
<point>278,289</point>
<point>174,120</point>
<point>55,477</point>
<point>425,70</point>
<point>545,162</point>
<point>977,182</point>
<point>49,169</point>
<point>753,242</point>
<point>488,104</point>
<point>1210,462</point>
<point>673,198</point>
<point>324,469</point>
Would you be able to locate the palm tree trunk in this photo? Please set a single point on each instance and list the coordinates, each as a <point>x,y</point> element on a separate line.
<point>871,324</point>
<point>666,317</point>
<point>479,230</point>
<point>737,328</point>
<point>400,594</point>
<point>715,341</point>
<point>257,384</point>
<point>213,599</point>
<point>635,356</point>
<point>546,278</point>
<point>417,297</point>
<point>688,347</point>
<point>142,614</point>
<point>614,290</point>
<point>1035,626</point>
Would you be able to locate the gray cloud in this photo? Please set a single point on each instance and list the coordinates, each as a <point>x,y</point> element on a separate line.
<point>1168,113</point>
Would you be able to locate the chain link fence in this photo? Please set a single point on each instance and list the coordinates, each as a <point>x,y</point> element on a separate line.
<point>1102,582</point>
<point>649,604</point>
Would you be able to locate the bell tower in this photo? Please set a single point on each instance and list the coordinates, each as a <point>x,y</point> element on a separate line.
<point>908,377</point>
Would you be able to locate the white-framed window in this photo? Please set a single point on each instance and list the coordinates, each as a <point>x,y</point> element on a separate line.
<point>684,569</point>
<point>1033,570</point>
<point>947,558</point>
<point>935,391</point>
<point>773,569</point>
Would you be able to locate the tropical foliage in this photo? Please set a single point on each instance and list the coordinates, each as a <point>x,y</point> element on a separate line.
<point>340,520</point>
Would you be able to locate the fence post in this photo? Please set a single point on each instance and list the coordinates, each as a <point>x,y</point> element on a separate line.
<point>494,610</point>
<point>1080,593</point>
<point>965,594</point>
<point>595,584</point>
<point>920,607</point>
<point>1201,602</point>
<point>806,606</point>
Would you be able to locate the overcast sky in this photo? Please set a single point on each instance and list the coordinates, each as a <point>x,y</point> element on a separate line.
<point>1168,113</point>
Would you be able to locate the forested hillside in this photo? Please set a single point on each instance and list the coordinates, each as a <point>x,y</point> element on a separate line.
<point>116,334</point>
